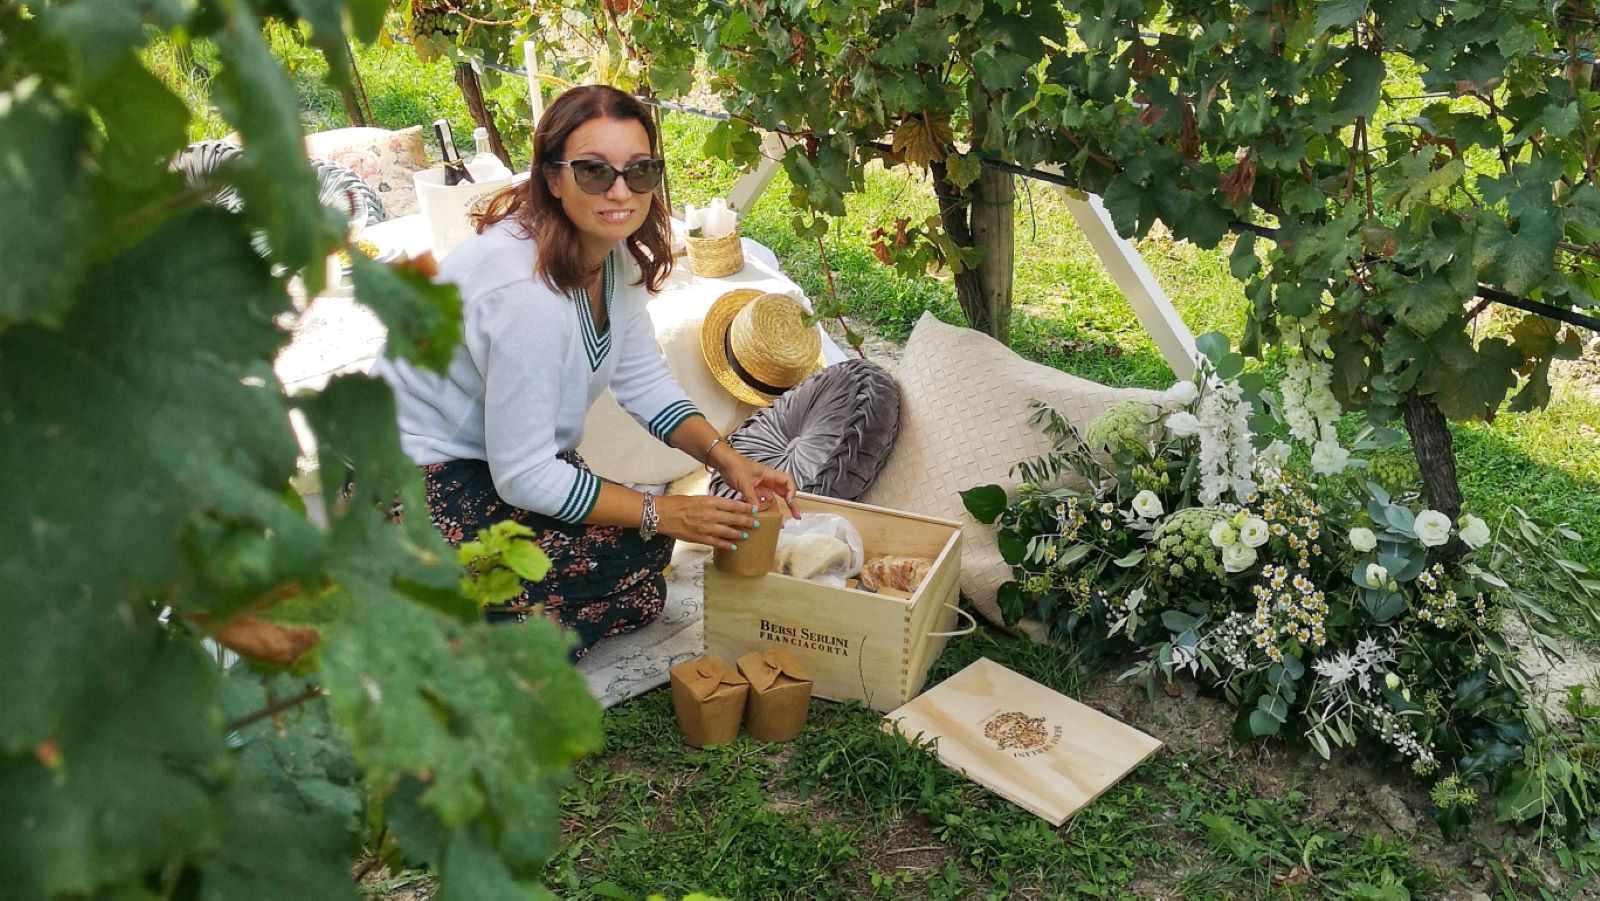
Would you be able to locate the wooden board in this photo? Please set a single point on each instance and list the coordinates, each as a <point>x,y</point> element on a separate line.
<point>1035,747</point>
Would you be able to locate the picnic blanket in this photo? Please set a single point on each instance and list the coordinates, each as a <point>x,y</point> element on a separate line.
<point>630,665</point>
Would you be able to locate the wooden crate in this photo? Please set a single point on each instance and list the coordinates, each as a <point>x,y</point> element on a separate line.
<point>870,647</point>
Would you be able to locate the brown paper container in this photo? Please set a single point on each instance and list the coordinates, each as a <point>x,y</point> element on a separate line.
<point>756,553</point>
<point>780,694</point>
<point>708,697</point>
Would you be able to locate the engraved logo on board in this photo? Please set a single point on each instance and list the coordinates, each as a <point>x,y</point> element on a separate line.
<point>1021,734</point>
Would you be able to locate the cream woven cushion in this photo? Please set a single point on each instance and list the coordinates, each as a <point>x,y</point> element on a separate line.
<point>963,422</point>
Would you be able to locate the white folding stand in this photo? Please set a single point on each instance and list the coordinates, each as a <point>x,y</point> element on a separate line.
<point>1137,283</point>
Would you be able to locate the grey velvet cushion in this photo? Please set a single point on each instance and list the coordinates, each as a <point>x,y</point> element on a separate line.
<point>833,432</point>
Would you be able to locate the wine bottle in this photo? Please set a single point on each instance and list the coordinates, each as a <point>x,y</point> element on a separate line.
<point>484,165</point>
<point>455,168</point>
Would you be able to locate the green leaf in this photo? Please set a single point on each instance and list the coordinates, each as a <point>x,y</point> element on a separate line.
<point>1227,834</point>
<point>416,691</point>
<point>158,388</point>
<point>274,849</point>
<point>1363,73</point>
<point>353,421</point>
<point>278,188</point>
<point>1274,707</point>
<point>1472,380</point>
<point>1178,622</point>
<point>985,502</point>
<point>526,559</point>
<point>423,319</point>
<point>1012,549</point>
<point>1263,723</point>
<point>963,169</point>
<point>1519,260</point>
<point>44,180</point>
<point>1333,15</point>
<point>144,748</point>
<point>1230,366</point>
<point>1131,559</point>
<point>1243,262</point>
<point>1214,345</point>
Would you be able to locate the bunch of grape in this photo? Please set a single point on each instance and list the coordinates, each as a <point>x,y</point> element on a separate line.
<point>431,28</point>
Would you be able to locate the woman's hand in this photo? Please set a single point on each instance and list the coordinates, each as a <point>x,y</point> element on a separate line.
<point>755,482</point>
<point>705,519</point>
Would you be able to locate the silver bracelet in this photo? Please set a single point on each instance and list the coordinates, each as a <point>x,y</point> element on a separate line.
<point>651,520</point>
<point>705,458</point>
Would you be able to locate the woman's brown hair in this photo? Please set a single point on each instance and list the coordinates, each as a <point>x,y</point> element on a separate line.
<point>560,258</point>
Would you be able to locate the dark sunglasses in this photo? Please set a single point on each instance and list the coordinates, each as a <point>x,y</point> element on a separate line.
<point>597,176</point>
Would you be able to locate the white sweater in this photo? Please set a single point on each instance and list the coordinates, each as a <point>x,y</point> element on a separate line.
<point>530,364</point>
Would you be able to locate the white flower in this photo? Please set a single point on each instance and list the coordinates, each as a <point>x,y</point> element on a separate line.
<point>1238,557</point>
<point>1227,449</point>
<point>1338,668</point>
<point>1183,425</point>
<point>1362,539</point>
<point>1328,458</point>
<point>1222,534</point>
<point>1391,680</point>
<point>1254,532</point>
<point>1474,531</point>
<point>1432,528</point>
<point>1147,505</point>
<point>1180,395</point>
<point>1377,575</point>
<point>1276,454</point>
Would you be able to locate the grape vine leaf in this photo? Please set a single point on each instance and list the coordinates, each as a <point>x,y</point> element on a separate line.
<point>153,392</point>
<point>45,186</point>
<point>124,783</point>
<point>279,190</point>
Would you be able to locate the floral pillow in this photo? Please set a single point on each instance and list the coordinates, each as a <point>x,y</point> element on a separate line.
<point>384,159</point>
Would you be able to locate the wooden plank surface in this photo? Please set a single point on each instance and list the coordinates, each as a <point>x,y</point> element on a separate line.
<point>1035,747</point>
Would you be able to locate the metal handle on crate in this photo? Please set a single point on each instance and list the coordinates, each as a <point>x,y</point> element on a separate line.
<point>973,627</point>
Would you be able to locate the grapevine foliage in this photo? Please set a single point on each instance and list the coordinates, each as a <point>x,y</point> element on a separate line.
<point>147,450</point>
<point>1404,152</point>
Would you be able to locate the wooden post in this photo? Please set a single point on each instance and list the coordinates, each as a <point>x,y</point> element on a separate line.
<point>994,224</point>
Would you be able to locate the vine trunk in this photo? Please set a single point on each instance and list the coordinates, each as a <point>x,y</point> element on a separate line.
<point>1435,453</point>
<point>472,93</point>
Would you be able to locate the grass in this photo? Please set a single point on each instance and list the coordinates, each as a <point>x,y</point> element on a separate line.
<point>848,811</point>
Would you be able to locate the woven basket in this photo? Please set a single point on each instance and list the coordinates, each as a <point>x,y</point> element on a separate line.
<point>715,257</point>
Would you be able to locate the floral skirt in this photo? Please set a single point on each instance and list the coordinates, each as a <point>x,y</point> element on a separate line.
<point>603,581</point>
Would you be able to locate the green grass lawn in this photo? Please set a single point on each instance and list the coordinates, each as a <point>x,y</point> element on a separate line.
<point>848,811</point>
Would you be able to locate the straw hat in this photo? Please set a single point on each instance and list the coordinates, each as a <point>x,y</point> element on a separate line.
<point>758,345</point>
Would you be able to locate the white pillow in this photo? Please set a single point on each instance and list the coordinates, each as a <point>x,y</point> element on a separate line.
<point>964,408</point>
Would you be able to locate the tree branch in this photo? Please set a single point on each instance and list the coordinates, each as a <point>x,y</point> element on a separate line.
<point>275,708</point>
